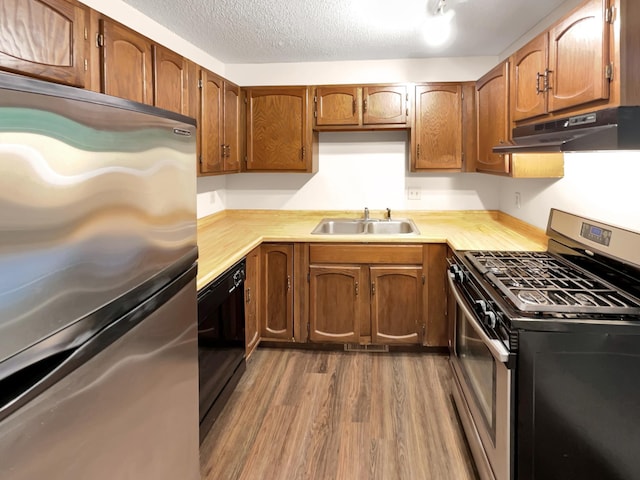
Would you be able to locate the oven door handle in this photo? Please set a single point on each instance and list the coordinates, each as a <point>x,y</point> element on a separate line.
<point>496,348</point>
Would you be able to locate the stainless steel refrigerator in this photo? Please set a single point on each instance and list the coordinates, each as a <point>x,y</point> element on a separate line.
<point>98,340</point>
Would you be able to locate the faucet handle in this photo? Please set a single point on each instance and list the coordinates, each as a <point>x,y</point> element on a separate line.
<point>388,214</point>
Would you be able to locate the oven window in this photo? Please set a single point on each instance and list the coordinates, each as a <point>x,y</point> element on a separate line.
<point>479,370</point>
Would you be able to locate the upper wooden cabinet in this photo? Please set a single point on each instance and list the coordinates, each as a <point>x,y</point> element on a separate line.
<point>385,105</point>
<point>170,80</point>
<point>437,139</point>
<point>126,63</point>
<point>354,107</point>
<point>492,100</point>
<point>565,67</point>
<point>219,125</point>
<point>44,39</point>
<point>279,133</point>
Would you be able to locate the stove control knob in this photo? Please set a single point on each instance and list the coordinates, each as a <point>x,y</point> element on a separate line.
<point>481,305</point>
<point>456,273</point>
<point>490,319</point>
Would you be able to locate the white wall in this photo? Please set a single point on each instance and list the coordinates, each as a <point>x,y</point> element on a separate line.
<point>359,169</point>
<point>366,71</point>
<point>602,186</point>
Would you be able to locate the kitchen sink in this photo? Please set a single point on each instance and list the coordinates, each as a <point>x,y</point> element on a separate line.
<point>359,226</point>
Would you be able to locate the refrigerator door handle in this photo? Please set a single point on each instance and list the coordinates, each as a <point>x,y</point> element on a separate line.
<point>61,353</point>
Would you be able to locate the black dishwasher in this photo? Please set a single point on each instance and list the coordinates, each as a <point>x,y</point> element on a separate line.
<point>221,342</point>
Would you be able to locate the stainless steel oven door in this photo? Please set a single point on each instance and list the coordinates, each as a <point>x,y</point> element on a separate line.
<point>482,390</point>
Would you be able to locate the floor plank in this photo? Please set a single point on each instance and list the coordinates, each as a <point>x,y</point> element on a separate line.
<point>299,414</point>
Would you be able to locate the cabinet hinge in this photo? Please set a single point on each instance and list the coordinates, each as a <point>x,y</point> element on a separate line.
<point>245,100</point>
<point>200,159</point>
<point>303,152</point>
<point>406,96</point>
<point>315,99</point>
<point>315,114</point>
<point>423,279</point>
<point>609,14</point>
<point>418,151</point>
<point>86,33</point>
<point>308,277</point>
<point>86,65</point>
<point>308,329</point>
<point>99,40</point>
<point>608,71</point>
<point>200,84</point>
<point>246,160</point>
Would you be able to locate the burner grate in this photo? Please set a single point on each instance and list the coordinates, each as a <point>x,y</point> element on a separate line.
<point>537,281</point>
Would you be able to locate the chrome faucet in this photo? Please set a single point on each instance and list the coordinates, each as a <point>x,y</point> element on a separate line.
<point>388,214</point>
<point>366,213</point>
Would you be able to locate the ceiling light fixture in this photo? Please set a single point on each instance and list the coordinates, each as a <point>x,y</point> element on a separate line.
<point>437,28</point>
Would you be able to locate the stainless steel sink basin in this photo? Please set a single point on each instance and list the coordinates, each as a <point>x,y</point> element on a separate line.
<point>392,227</point>
<point>359,226</point>
<point>339,226</point>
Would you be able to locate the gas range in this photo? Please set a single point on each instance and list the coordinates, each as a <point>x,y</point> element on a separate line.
<point>545,350</point>
<point>540,282</point>
<point>570,286</point>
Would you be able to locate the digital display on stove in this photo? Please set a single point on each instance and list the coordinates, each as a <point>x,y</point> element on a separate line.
<point>596,234</point>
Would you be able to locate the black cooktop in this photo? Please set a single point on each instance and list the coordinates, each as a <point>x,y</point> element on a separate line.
<point>541,282</point>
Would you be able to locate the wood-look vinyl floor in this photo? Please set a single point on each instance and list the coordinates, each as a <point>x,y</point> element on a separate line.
<point>299,414</point>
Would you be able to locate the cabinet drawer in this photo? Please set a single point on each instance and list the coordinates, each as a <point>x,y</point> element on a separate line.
<point>370,254</point>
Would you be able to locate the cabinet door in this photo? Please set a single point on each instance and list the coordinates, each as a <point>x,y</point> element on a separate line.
<point>338,106</point>
<point>277,296</point>
<point>527,79</point>
<point>438,127</point>
<point>384,105</point>
<point>396,304</point>
<point>493,121</point>
<point>252,301</point>
<point>44,39</point>
<point>231,123</point>
<point>170,80</point>
<point>210,125</point>
<point>335,303</point>
<point>126,63</point>
<point>578,53</point>
<point>277,129</point>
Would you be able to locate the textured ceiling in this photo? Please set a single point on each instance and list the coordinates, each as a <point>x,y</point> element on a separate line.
<point>268,31</point>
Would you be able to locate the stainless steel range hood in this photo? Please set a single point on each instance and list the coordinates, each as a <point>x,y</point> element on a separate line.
<point>610,129</point>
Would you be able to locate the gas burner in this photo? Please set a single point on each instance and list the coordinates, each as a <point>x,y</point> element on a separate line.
<point>533,297</point>
<point>585,299</point>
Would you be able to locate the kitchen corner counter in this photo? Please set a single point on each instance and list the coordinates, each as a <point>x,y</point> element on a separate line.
<point>226,237</point>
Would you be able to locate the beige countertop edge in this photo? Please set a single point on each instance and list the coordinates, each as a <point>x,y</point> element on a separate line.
<point>512,234</point>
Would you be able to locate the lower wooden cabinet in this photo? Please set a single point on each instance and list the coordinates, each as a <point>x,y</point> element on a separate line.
<point>346,293</point>
<point>336,303</point>
<point>277,292</point>
<point>396,304</point>
<point>252,301</point>
<point>375,302</point>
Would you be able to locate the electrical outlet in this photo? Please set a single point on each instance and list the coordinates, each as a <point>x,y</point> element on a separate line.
<point>413,194</point>
<point>518,200</point>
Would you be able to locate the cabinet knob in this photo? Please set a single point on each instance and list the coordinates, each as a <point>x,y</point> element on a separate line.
<point>357,289</point>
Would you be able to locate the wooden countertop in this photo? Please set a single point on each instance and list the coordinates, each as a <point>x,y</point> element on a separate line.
<point>226,237</point>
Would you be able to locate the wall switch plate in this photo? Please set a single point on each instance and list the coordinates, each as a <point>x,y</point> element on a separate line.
<point>413,194</point>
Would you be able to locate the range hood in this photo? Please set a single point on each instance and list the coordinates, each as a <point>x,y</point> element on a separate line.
<point>610,129</point>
